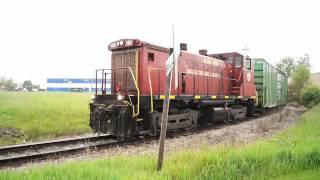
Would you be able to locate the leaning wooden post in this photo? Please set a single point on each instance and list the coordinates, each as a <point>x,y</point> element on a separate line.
<point>170,64</point>
<point>166,102</point>
<point>164,120</point>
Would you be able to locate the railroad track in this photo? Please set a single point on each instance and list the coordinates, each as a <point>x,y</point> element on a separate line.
<point>24,153</point>
<point>16,155</point>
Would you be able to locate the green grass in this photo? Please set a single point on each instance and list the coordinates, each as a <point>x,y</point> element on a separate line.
<point>293,154</point>
<point>40,116</point>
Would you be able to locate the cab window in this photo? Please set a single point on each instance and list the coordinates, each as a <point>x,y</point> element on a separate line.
<point>248,63</point>
<point>230,60</point>
<point>238,61</point>
<point>150,56</point>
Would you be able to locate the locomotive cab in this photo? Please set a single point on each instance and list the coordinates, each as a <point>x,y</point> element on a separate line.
<point>241,70</point>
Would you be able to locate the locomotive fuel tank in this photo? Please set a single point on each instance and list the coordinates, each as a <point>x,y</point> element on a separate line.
<point>219,114</point>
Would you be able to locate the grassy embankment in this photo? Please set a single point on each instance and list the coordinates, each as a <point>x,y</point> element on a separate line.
<point>293,154</point>
<point>39,116</point>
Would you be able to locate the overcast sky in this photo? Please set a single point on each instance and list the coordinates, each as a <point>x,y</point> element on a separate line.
<point>41,39</point>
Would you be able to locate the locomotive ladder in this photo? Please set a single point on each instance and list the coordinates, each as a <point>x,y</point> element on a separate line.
<point>235,88</point>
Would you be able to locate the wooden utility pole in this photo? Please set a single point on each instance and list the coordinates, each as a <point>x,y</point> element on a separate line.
<point>164,120</point>
<point>169,66</point>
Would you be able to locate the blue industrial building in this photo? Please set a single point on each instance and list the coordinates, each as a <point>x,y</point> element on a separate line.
<point>74,85</point>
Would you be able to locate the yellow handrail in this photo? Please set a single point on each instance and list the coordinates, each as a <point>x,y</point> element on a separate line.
<point>136,85</point>
<point>138,91</point>
<point>151,96</point>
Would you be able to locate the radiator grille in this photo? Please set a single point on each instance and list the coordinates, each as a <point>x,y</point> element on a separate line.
<point>122,77</point>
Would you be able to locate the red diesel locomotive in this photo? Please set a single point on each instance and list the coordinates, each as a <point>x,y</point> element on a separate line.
<point>211,88</point>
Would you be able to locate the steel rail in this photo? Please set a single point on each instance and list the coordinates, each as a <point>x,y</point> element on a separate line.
<point>19,154</point>
<point>45,144</point>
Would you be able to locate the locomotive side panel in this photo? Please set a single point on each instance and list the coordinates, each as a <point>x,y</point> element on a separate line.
<point>197,74</point>
<point>203,74</point>
<point>152,64</point>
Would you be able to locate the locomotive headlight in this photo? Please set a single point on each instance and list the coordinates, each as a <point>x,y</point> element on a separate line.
<point>92,98</point>
<point>120,97</point>
<point>113,45</point>
<point>121,43</point>
<point>129,43</point>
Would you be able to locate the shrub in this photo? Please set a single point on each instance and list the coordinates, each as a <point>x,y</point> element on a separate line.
<point>300,79</point>
<point>310,95</point>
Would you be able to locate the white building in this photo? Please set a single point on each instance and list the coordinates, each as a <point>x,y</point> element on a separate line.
<point>74,85</point>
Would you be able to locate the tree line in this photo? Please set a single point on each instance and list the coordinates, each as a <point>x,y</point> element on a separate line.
<point>300,88</point>
<point>7,84</point>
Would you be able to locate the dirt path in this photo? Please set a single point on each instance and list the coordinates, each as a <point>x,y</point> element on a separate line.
<point>235,134</point>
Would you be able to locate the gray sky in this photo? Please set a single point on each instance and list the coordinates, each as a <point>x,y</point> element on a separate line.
<point>40,39</point>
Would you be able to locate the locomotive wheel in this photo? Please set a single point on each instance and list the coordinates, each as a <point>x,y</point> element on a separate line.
<point>193,121</point>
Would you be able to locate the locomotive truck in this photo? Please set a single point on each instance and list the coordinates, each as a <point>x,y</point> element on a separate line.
<point>210,88</point>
